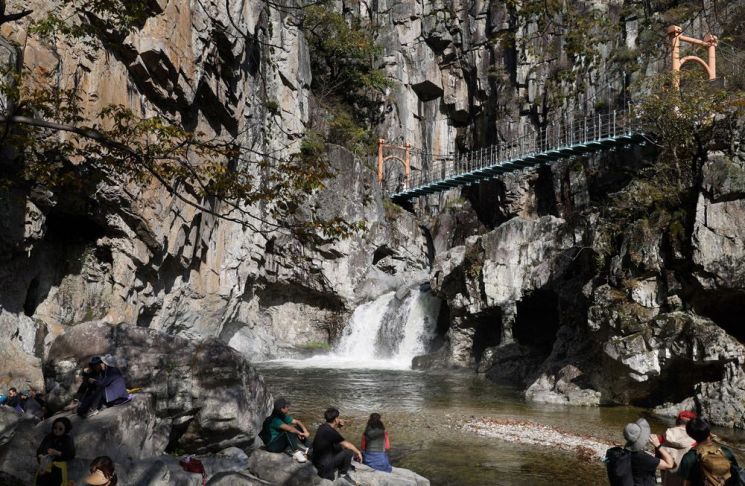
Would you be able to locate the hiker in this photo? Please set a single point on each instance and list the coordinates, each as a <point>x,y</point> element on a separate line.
<point>375,444</point>
<point>283,433</point>
<point>53,453</point>
<point>101,472</point>
<point>14,399</point>
<point>330,450</point>
<point>676,443</point>
<point>708,463</point>
<point>632,464</point>
<point>84,387</point>
<point>105,388</point>
<point>33,404</point>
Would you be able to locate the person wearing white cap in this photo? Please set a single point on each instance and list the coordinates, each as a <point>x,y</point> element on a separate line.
<point>643,464</point>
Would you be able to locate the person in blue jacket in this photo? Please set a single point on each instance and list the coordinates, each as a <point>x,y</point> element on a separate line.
<point>107,388</point>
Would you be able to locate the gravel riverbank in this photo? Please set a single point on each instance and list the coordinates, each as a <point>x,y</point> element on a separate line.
<point>531,433</point>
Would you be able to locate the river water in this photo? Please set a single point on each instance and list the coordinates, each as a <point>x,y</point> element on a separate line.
<point>425,411</point>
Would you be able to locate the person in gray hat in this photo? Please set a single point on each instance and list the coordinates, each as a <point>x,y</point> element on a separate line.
<point>643,464</point>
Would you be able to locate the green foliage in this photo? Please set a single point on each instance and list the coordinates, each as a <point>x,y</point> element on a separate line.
<point>568,35</point>
<point>683,119</point>
<point>92,18</point>
<point>392,210</point>
<point>272,107</point>
<point>316,346</point>
<point>346,80</point>
<point>342,55</point>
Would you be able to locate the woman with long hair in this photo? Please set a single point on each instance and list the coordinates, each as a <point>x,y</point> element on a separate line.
<point>375,445</point>
<point>102,472</point>
<point>55,450</point>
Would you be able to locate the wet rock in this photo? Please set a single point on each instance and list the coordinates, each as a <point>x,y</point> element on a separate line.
<point>672,409</point>
<point>559,388</point>
<point>282,469</point>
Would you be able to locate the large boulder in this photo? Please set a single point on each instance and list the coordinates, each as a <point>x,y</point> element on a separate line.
<point>204,394</point>
<point>281,469</point>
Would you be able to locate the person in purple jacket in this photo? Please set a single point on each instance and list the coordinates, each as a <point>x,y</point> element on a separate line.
<point>107,388</point>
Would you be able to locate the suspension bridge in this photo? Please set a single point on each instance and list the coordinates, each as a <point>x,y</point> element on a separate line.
<point>557,141</point>
<point>565,138</point>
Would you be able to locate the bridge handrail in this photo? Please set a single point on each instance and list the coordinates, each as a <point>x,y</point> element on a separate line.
<point>549,138</point>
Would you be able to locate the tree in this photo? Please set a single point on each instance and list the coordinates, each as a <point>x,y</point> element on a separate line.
<point>55,144</point>
<point>683,121</point>
<point>346,81</point>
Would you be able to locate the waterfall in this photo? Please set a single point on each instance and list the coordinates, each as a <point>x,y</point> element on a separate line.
<point>360,335</point>
<point>386,333</point>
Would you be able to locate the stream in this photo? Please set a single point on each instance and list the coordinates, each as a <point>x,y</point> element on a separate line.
<point>426,412</point>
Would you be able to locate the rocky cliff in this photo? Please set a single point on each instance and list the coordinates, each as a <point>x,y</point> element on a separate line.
<point>539,285</point>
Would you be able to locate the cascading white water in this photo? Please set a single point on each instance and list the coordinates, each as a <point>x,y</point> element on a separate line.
<point>421,326</point>
<point>385,333</point>
<point>359,337</point>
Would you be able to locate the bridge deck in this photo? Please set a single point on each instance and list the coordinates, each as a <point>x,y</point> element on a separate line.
<point>569,139</point>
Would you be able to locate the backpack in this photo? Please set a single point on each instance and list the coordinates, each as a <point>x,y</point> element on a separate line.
<point>266,434</point>
<point>618,465</point>
<point>193,465</point>
<point>738,476</point>
<point>714,466</point>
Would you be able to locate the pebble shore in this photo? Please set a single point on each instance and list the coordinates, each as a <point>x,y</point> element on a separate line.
<point>525,432</point>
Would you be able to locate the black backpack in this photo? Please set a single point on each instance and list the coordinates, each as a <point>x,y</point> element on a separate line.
<point>618,464</point>
<point>265,434</point>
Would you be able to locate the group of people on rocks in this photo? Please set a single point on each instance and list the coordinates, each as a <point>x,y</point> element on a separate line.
<point>686,455</point>
<point>30,402</point>
<point>102,385</point>
<point>329,452</point>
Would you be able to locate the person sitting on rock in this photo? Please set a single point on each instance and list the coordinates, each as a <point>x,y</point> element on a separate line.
<point>677,442</point>
<point>33,404</point>
<point>14,399</point>
<point>102,472</point>
<point>283,433</point>
<point>708,462</point>
<point>53,453</point>
<point>107,388</point>
<point>375,444</point>
<point>331,452</point>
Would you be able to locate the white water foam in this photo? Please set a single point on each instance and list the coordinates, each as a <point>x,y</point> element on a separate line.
<point>383,334</point>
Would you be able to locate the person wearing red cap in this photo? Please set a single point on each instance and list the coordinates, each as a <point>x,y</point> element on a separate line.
<point>677,442</point>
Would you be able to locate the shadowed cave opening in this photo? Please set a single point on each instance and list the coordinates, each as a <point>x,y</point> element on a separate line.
<point>72,228</point>
<point>487,332</point>
<point>678,380</point>
<point>33,297</point>
<point>725,308</point>
<point>537,320</point>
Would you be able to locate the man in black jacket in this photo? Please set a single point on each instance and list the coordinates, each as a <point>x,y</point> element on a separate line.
<point>330,450</point>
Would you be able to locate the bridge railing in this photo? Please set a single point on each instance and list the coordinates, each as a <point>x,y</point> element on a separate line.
<point>552,137</point>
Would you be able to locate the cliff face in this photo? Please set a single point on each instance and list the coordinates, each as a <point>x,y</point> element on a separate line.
<point>536,286</point>
<point>133,254</point>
